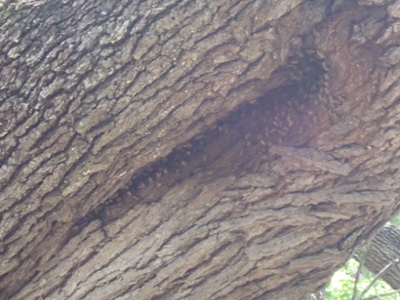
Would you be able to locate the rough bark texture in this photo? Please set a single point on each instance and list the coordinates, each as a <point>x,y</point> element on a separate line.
<point>384,249</point>
<point>193,149</point>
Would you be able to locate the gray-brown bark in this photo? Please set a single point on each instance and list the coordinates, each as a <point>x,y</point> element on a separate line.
<point>193,149</point>
<point>382,250</point>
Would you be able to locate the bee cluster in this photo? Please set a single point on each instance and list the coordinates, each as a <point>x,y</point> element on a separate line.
<point>304,105</point>
<point>286,116</point>
<point>306,70</point>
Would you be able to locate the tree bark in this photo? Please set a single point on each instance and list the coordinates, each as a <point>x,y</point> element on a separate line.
<point>193,149</point>
<point>383,250</point>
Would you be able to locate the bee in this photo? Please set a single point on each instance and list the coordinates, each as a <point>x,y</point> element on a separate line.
<point>320,54</point>
<point>325,65</point>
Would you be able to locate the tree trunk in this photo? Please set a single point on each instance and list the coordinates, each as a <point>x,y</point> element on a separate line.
<point>193,149</point>
<point>384,249</point>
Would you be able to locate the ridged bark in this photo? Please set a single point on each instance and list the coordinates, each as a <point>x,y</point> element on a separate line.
<point>383,250</point>
<point>193,149</point>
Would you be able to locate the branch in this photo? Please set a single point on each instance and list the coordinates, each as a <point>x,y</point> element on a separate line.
<point>377,277</point>
<point>360,265</point>
<point>382,295</point>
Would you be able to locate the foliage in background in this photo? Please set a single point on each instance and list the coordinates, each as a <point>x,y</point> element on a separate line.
<point>396,221</point>
<point>342,284</point>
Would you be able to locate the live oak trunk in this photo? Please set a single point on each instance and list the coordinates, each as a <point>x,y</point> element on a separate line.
<point>193,149</point>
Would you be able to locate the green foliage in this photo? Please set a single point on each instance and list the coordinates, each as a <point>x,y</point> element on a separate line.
<point>396,221</point>
<point>342,284</point>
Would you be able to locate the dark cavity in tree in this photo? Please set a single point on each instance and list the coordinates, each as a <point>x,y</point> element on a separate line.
<point>285,116</point>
